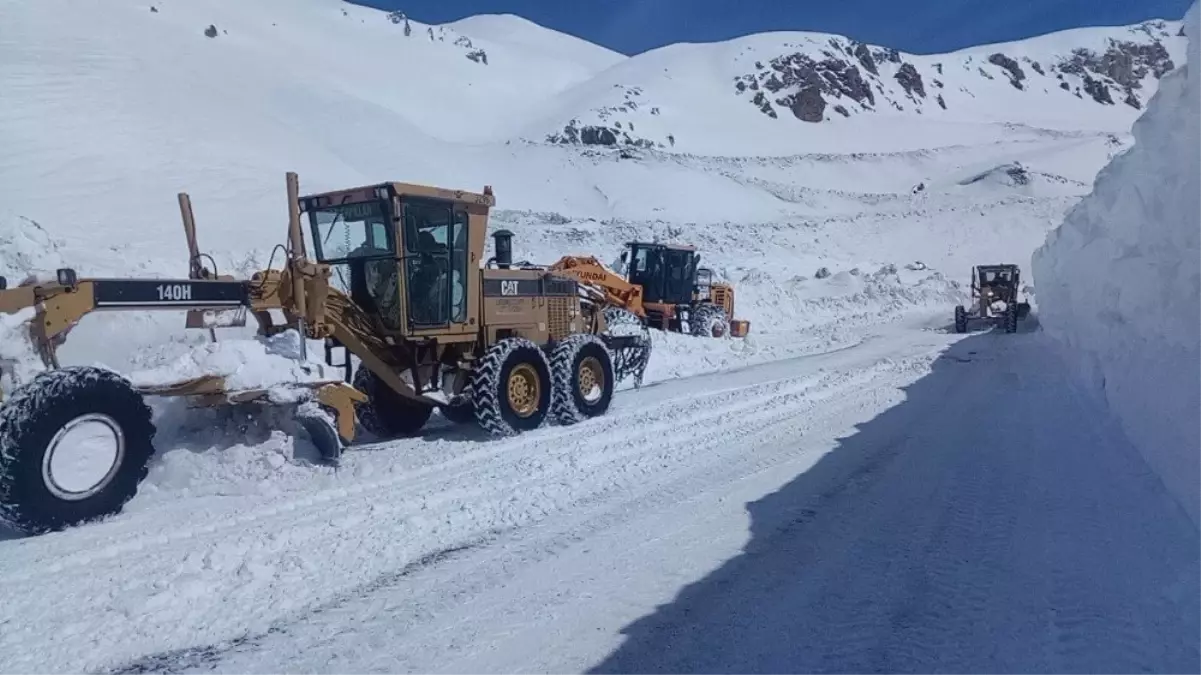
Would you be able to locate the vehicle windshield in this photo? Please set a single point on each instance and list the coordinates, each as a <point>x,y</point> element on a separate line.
<point>357,242</point>
<point>666,275</point>
<point>995,276</point>
<point>351,231</point>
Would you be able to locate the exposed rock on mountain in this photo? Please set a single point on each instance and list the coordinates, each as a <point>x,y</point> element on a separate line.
<point>812,83</point>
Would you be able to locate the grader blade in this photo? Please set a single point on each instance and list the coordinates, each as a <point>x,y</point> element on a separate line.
<point>323,408</point>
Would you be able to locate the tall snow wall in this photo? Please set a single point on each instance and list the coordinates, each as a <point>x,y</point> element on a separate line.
<point>1118,283</point>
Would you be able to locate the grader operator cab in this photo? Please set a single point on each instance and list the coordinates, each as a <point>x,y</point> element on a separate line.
<point>396,283</point>
<point>994,298</point>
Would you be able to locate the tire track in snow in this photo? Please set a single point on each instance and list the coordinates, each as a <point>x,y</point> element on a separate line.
<point>271,545</point>
<point>407,611</point>
<point>855,619</point>
<point>207,656</point>
<point>1091,613</point>
<point>509,450</point>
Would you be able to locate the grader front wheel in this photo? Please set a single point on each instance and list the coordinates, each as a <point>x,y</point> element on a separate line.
<point>74,446</point>
<point>387,414</point>
<point>583,376</point>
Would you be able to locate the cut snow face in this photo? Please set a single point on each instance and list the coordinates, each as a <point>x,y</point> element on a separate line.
<point>1119,282</point>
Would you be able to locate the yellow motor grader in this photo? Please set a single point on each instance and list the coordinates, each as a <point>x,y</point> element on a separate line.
<point>396,281</point>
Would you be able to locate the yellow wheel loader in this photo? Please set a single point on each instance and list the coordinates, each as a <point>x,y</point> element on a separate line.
<point>663,287</point>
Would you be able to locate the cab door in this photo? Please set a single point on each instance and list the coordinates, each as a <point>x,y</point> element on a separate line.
<point>435,261</point>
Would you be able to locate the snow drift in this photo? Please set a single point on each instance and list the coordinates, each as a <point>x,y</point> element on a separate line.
<point>1118,281</point>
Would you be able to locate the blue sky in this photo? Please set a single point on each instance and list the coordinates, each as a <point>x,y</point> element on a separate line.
<point>918,26</point>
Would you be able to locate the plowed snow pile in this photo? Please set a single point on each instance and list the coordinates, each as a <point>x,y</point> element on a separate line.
<point>1118,282</point>
<point>262,363</point>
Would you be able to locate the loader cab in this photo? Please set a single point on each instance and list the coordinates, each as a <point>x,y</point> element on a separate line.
<point>666,273</point>
<point>406,254</point>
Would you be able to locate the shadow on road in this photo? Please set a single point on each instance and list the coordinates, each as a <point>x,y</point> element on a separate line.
<point>989,523</point>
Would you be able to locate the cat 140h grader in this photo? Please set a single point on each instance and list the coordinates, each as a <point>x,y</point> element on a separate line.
<point>396,282</point>
<point>663,287</point>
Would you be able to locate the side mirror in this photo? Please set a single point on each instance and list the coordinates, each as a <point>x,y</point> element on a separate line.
<point>66,277</point>
<point>3,284</point>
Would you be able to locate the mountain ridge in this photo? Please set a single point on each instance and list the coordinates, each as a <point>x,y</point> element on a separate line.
<point>824,78</point>
<point>136,96</point>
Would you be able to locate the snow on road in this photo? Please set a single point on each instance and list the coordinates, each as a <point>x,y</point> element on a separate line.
<point>942,534</point>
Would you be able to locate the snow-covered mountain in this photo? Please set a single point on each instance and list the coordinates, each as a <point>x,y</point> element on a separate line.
<point>714,96</point>
<point>111,109</point>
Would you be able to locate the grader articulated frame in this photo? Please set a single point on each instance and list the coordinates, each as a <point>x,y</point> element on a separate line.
<point>500,348</point>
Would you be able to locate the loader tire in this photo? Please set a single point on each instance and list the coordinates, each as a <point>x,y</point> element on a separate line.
<point>621,321</point>
<point>960,319</point>
<point>74,446</point>
<point>1011,318</point>
<point>708,321</point>
<point>387,414</point>
<point>510,388</point>
<point>583,378</point>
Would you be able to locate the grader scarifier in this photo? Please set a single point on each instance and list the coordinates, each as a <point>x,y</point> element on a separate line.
<point>396,281</point>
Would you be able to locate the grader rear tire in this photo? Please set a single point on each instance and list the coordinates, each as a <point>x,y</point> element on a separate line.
<point>387,414</point>
<point>74,446</point>
<point>583,378</point>
<point>510,388</point>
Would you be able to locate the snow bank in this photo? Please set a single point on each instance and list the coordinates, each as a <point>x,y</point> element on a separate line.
<point>802,317</point>
<point>1118,281</point>
<point>26,249</point>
